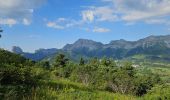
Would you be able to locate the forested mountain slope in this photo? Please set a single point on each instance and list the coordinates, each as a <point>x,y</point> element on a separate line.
<point>152,47</point>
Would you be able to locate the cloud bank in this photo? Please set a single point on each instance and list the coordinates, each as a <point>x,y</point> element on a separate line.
<point>131,11</point>
<point>18,11</point>
<point>127,11</point>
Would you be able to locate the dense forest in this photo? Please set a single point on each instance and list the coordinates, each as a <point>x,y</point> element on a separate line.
<point>93,79</point>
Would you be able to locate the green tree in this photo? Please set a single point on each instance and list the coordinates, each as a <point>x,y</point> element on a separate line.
<point>82,62</point>
<point>121,79</point>
<point>86,74</point>
<point>145,83</point>
<point>60,61</point>
<point>44,64</point>
<point>105,61</point>
<point>121,82</point>
<point>129,68</point>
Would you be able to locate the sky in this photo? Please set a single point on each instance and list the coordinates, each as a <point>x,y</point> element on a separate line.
<point>34,24</point>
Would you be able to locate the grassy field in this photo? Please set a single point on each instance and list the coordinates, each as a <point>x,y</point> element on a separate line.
<point>64,89</point>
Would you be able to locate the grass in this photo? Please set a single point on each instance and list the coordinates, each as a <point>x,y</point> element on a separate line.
<point>66,90</point>
<point>160,92</point>
<point>63,89</point>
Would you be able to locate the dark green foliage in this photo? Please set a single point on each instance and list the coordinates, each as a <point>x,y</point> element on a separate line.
<point>20,78</point>
<point>82,62</point>
<point>129,69</point>
<point>17,75</point>
<point>67,70</point>
<point>145,82</point>
<point>160,92</point>
<point>44,64</point>
<point>60,61</point>
<point>86,74</point>
<point>106,62</point>
<point>62,66</point>
<point>14,59</point>
<point>122,79</point>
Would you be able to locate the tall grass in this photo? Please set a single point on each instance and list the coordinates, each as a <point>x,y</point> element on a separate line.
<point>66,90</point>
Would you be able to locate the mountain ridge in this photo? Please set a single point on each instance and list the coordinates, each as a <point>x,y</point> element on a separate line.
<point>119,49</point>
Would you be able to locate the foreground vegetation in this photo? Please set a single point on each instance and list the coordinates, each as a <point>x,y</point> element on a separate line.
<point>96,79</point>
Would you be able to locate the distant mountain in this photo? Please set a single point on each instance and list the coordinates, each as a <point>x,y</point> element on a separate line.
<point>83,43</point>
<point>17,50</point>
<point>38,55</point>
<point>153,47</point>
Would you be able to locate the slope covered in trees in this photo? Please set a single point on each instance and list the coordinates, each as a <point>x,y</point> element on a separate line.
<point>95,79</point>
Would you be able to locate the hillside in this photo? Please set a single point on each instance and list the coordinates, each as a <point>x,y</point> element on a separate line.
<point>22,79</point>
<point>152,48</point>
<point>7,57</point>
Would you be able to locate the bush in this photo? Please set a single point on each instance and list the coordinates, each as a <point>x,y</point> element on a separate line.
<point>160,92</point>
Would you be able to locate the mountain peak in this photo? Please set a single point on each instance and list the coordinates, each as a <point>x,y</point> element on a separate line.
<point>118,41</point>
<point>17,50</point>
<point>152,45</point>
<point>83,43</point>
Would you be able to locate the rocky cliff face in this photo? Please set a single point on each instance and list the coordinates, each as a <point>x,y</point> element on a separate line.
<point>17,50</point>
<point>38,55</point>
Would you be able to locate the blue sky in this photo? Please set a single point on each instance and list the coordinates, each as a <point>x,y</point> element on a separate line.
<point>34,24</point>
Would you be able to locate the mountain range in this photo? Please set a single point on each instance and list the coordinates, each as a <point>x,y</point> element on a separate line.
<point>152,47</point>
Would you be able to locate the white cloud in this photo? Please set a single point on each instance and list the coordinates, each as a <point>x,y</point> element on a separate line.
<point>54,25</point>
<point>88,15</point>
<point>26,21</point>
<point>131,11</point>
<point>104,13</point>
<point>135,10</point>
<point>19,10</point>
<point>101,30</point>
<point>8,21</point>
<point>63,23</point>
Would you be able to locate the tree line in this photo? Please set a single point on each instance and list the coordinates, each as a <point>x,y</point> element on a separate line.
<point>23,76</point>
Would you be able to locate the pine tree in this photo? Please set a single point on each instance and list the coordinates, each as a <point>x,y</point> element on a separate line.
<point>82,62</point>
<point>61,61</point>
